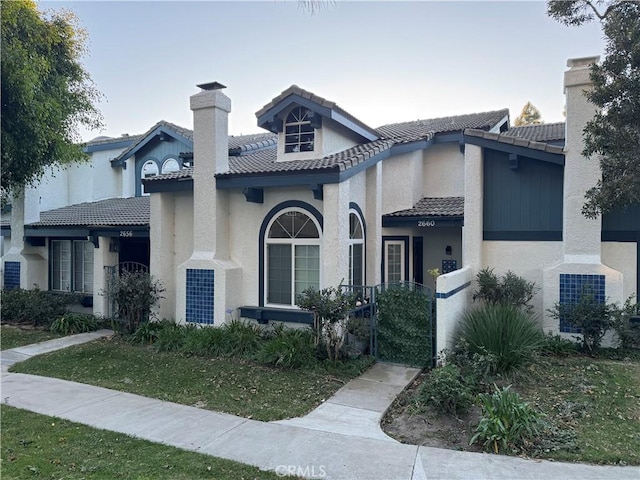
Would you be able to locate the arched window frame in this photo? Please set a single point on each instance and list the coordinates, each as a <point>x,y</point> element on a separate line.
<point>143,174</point>
<point>294,242</point>
<point>299,133</point>
<point>167,162</point>
<point>356,271</point>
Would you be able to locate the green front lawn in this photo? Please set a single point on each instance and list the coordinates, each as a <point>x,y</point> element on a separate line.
<point>596,399</point>
<point>38,446</point>
<point>234,386</point>
<point>12,337</point>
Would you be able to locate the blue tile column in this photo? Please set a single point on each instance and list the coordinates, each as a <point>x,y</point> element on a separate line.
<point>571,286</point>
<point>200,293</point>
<point>11,275</point>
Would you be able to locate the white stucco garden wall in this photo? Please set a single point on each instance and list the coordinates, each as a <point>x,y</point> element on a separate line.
<point>455,291</point>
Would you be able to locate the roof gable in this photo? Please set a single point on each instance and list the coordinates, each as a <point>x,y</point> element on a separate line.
<point>270,116</point>
<point>160,130</point>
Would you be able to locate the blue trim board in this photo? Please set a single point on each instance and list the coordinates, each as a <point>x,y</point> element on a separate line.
<point>264,314</point>
<point>523,236</point>
<point>141,231</point>
<point>556,158</point>
<point>440,221</point>
<point>451,293</point>
<point>403,238</point>
<point>263,231</point>
<point>173,185</point>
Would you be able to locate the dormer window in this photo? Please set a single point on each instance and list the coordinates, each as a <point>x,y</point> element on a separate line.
<point>299,134</point>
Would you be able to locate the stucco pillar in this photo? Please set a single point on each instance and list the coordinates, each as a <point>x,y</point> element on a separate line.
<point>32,264</point>
<point>209,282</point>
<point>102,258</point>
<point>335,234</point>
<point>161,242</point>
<point>581,263</point>
<point>373,218</point>
<point>473,214</point>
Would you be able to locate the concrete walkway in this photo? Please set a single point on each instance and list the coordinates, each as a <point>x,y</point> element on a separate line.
<point>341,439</point>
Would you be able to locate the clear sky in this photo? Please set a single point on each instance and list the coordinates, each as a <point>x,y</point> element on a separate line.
<point>383,62</point>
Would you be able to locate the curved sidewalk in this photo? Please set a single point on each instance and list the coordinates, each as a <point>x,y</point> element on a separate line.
<point>303,446</point>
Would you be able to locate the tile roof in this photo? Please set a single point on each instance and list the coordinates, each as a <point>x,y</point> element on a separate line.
<point>296,90</point>
<point>433,207</point>
<point>113,211</point>
<point>418,129</point>
<point>546,132</point>
<point>244,143</point>
<point>517,141</point>
<point>102,140</point>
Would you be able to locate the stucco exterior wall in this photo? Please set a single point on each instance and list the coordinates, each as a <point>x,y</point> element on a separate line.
<point>623,257</point>
<point>402,184</point>
<point>443,174</point>
<point>453,297</point>
<point>244,232</point>
<point>335,137</point>
<point>435,242</point>
<point>526,259</point>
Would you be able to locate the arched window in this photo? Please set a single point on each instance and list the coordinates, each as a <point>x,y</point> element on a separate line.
<point>299,133</point>
<point>292,256</point>
<point>170,165</point>
<point>149,169</point>
<point>356,250</point>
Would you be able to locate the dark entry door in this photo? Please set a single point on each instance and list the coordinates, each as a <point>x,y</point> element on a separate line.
<point>418,260</point>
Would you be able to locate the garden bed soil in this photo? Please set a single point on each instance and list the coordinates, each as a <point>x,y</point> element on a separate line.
<point>408,424</point>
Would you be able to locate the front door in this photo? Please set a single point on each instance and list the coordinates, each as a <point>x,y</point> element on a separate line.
<point>395,259</point>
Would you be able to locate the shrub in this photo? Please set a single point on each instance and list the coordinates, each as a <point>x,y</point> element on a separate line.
<point>34,307</point>
<point>290,348</point>
<point>241,339</point>
<point>135,294</point>
<point>508,333</point>
<point>71,323</point>
<point>205,342</point>
<point>171,337</point>
<point>330,307</point>
<point>557,345</point>
<point>147,332</point>
<point>510,289</point>
<point>592,317</point>
<point>506,422</point>
<point>628,336</point>
<point>446,390</point>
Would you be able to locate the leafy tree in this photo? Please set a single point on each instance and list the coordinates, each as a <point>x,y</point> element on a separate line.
<point>530,115</point>
<point>46,92</point>
<point>613,135</point>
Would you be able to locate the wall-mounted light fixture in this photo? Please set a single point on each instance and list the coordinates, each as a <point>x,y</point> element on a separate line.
<point>447,250</point>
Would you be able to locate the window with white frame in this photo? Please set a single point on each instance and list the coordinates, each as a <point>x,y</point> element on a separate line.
<point>72,266</point>
<point>149,169</point>
<point>292,255</point>
<point>299,134</point>
<point>170,165</point>
<point>356,250</point>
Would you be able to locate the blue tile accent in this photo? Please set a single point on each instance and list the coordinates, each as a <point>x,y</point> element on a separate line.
<point>11,275</point>
<point>200,289</point>
<point>571,286</point>
<point>449,266</point>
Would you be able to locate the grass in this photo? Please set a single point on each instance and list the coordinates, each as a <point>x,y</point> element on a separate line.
<point>38,446</point>
<point>234,386</point>
<point>598,400</point>
<point>12,337</point>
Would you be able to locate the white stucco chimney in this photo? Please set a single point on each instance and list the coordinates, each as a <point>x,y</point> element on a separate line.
<point>581,235</point>
<point>211,110</point>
